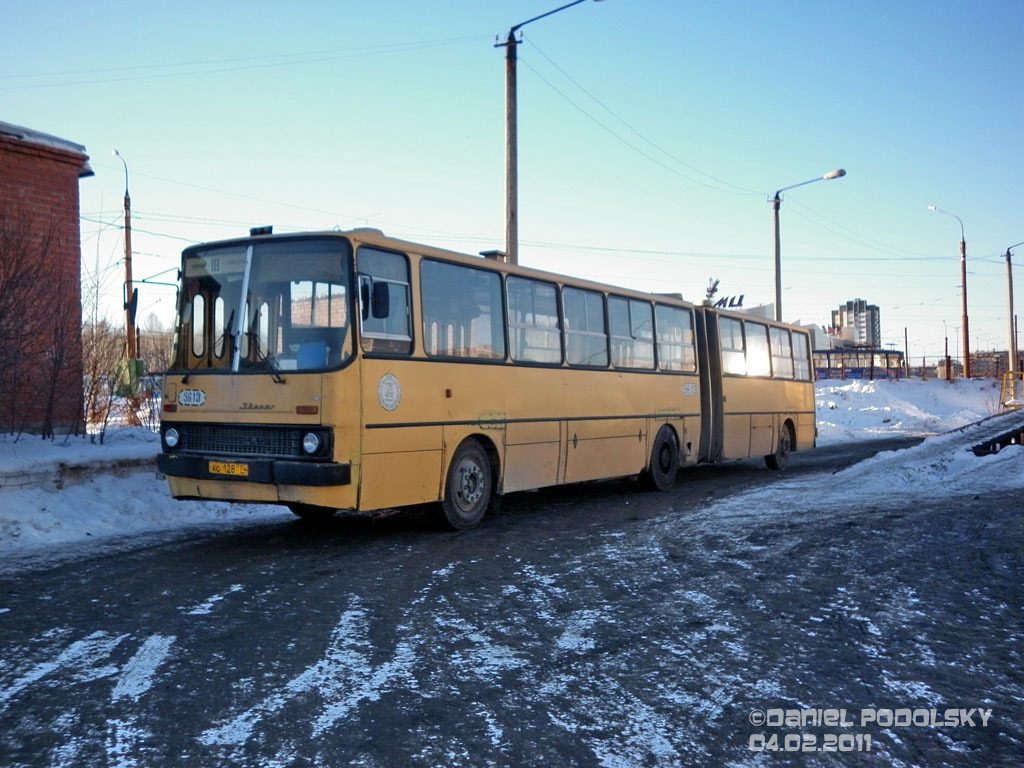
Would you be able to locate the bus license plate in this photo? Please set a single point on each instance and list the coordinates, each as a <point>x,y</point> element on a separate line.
<point>229,468</point>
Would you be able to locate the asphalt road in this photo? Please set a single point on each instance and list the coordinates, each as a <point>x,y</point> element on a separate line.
<point>594,625</point>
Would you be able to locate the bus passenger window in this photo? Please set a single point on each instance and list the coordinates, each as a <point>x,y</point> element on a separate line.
<point>782,354</point>
<point>632,333</point>
<point>758,361</point>
<point>385,329</point>
<point>801,357</point>
<point>533,331</point>
<point>586,340</point>
<point>733,356</point>
<point>675,339</point>
<point>463,307</point>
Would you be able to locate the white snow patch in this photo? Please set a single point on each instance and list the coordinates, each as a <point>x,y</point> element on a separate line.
<point>34,520</point>
<point>207,606</point>
<point>83,654</point>
<point>137,676</point>
<point>344,678</point>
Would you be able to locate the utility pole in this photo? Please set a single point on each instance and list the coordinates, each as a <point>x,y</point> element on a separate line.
<point>131,351</point>
<point>511,137</point>
<point>963,291</point>
<point>776,202</point>
<point>1012,320</point>
<point>963,307</point>
<point>511,153</point>
<point>949,370</point>
<point>906,354</point>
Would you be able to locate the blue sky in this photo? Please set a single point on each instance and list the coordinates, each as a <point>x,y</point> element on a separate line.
<point>651,135</point>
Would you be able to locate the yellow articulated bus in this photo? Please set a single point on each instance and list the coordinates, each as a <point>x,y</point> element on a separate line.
<point>353,371</point>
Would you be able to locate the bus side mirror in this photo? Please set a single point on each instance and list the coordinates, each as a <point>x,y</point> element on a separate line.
<point>380,307</point>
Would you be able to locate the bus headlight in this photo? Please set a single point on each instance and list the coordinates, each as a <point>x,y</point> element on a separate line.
<point>171,437</point>
<point>311,443</point>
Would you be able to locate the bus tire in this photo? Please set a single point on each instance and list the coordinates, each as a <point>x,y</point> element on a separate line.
<point>780,458</point>
<point>661,471</point>
<point>469,487</point>
<point>312,513</point>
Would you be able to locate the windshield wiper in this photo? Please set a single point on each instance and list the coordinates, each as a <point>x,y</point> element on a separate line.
<point>254,342</point>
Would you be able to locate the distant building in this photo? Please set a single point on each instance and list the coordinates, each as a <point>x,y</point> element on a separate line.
<point>857,323</point>
<point>40,280</point>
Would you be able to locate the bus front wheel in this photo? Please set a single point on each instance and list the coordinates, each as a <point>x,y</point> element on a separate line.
<point>660,474</point>
<point>780,458</point>
<point>469,486</point>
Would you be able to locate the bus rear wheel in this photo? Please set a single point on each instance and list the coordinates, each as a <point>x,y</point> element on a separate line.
<point>660,474</point>
<point>468,488</point>
<point>780,458</point>
<point>311,513</point>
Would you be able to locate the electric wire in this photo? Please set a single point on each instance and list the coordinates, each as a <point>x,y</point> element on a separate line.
<point>632,129</point>
<point>190,69</point>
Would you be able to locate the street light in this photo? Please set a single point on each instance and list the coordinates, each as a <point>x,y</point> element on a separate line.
<point>776,203</point>
<point>511,148</point>
<point>1009,294</point>
<point>129,301</point>
<point>963,290</point>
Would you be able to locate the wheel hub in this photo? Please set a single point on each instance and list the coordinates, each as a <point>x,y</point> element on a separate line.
<point>471,485</point>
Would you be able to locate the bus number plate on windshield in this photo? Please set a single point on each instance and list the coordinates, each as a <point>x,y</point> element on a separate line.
<point>229,468</point>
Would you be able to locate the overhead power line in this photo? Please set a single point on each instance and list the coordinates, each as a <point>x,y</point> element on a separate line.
<point>629,126</point>
<point>213,66</point>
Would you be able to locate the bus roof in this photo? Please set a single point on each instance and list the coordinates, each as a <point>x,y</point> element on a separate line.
<point>375,237</point>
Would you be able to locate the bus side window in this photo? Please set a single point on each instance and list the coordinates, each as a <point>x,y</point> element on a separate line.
<point>733,356</point>
<point>758,361</point>
<point>675,339</point>
<point>801,357</point>
<point>782,354</point>
<point>466,306</point>
<point>384,295</point>
<point>586,336</point>
<point>632,333</point>
<point>533,330</point>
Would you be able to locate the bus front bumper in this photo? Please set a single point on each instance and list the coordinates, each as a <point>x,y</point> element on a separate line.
<point>275,471</point>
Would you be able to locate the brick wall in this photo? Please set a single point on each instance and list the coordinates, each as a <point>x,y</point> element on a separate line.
<point>39,216</point>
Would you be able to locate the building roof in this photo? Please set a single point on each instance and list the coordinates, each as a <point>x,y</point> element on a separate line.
<point>39,138</point>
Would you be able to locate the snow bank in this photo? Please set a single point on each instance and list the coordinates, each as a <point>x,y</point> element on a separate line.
<point>864,410</point>
<point>103,505</point>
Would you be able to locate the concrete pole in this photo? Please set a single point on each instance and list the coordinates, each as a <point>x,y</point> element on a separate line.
<point>963,308</point>
<point>511,153</point>
<point>1009,296</point>
<point>776,202</point>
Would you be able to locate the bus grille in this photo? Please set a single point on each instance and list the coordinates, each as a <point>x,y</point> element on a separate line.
<point>240,441</point>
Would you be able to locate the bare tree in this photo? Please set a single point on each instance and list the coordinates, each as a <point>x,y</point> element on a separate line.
<point>155,345</point>
<point>101,351</point>
<point>63,388</point>
<point>27,315</point>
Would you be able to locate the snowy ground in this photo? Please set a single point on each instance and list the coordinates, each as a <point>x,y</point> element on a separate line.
<point>109,505</point>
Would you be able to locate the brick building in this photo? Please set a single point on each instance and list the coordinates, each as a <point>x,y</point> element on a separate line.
<point>40,281</point>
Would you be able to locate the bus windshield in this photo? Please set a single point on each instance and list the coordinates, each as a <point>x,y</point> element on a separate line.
<point>264,307</point>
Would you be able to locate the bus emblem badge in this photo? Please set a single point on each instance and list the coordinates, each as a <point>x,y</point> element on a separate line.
<point>389,392</point>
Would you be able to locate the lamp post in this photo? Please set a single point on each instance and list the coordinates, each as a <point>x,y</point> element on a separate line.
<point>963,290</point>
<point>511,146</point>
<point>776,202</point>
<point>1009,295</point>
<point>129,308</point>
